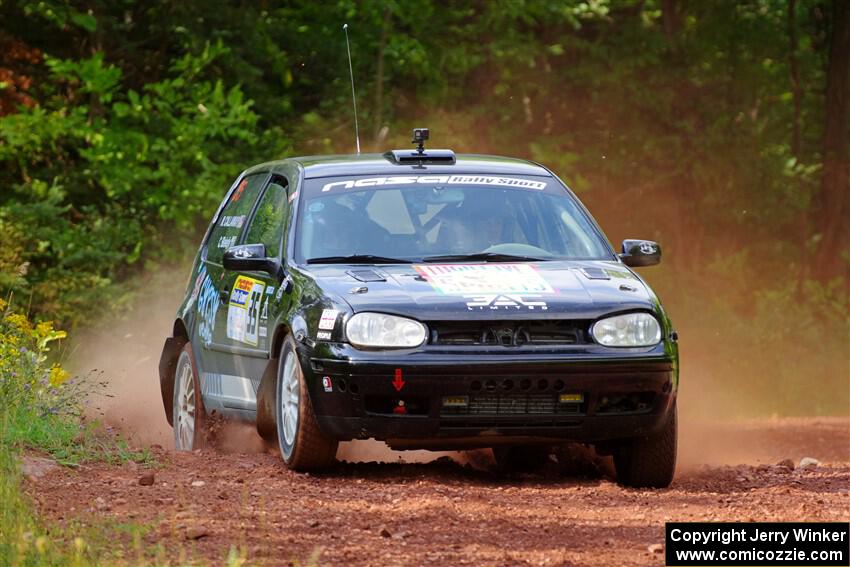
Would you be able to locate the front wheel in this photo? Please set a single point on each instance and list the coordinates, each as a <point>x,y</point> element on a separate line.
<point>188,405</point>
<point>303,446</point>
<point>649,461</point>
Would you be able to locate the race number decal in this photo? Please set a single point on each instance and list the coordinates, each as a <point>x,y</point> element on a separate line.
<point>483,279</point>
<point>243,311</point>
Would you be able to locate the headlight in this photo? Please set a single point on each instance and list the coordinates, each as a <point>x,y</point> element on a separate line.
<point>630,330</point>
<point>380,330</point>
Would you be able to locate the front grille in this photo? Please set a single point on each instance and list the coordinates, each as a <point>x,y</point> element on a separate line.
<point>507,333</point>
<point>513,404</point>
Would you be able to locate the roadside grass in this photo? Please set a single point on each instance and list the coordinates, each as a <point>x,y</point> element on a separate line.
<point>66,441</point>
<point>42,411</point>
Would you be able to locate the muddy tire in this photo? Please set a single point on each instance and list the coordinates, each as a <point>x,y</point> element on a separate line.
<point>520,459</point>
<point>303,446</point>
<point>188,415</point>
<point>649,462</point>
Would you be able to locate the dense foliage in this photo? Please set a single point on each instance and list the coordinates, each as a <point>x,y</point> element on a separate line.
<point>721,129</point>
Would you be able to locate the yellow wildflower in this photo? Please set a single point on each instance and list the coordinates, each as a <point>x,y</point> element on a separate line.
<point>44,328</point>
<point>41,544</point>
<point>58,375</point>
<point>19,321</point>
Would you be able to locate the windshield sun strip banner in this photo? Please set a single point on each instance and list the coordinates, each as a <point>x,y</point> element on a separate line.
<point>465,179</point>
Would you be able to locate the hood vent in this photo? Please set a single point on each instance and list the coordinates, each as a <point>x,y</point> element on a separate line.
<point>366,276</point>
<point>595,274</point>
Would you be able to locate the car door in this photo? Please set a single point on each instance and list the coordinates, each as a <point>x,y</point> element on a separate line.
<point>253,301</point>
<point>222,384</point>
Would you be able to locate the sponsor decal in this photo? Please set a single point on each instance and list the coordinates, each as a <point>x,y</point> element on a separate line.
<point>239,190</point>
<point>328,319</point>
<point>232,221</point>
<point>196,290</point>
<point>225,242</point>
<point>512,182</point>
<point>208,303</point>
<point>244,310</point>
<point>484,279</point>
<point>327,384</point>
<point>647,248</point>
<point>264,315</point>
<point>505,301</point>
<point>243,253</point>
<point>323,335</point>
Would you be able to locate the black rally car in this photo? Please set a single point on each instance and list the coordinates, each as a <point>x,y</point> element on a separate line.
<point>427,299</point>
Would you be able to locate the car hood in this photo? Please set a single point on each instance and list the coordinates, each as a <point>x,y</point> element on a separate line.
<point>488,291</point>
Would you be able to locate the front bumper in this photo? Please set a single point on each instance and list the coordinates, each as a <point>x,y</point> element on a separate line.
<point>509,400</point>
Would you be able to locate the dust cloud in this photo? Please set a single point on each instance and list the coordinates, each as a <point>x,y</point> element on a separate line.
<point>123,351</point>
<point>235,437</point>
<point>758,441</point>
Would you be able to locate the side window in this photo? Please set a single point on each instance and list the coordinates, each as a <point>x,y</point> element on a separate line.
<point>226,231</point>
<point>270,218</point>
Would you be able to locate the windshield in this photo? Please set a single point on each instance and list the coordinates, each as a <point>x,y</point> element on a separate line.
<point>441,218</point>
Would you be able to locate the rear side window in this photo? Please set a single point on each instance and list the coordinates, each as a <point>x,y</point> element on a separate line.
<point>270,218</point>
<point>233,217</point>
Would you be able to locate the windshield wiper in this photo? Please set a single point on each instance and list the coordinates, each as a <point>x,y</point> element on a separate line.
<point>357,259</point>
<point>485,256</point>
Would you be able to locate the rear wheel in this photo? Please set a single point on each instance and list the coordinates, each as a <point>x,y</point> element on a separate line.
<point>649,461</point>
<point>303,446</point>
<point>188,408</point>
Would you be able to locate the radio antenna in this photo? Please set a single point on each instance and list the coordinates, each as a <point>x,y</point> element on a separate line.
<point>353,96</point>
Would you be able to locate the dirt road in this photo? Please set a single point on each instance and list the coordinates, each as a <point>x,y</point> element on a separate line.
<point>443,512</point>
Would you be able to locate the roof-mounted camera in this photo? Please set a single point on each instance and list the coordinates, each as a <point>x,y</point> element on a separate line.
<point>419,137</point>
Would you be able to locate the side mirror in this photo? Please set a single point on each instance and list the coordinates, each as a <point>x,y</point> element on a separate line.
<point>252,258</point>
<point>638,253</point>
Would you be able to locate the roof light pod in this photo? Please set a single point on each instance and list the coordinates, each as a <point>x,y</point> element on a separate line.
<point>420,156</point>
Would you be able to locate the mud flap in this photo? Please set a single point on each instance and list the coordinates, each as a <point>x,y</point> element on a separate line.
<point>167,366</point>
<point>265,403</point>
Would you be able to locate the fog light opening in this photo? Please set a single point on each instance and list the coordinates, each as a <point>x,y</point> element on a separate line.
<point>455,401</point>
<point>571,398</point>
